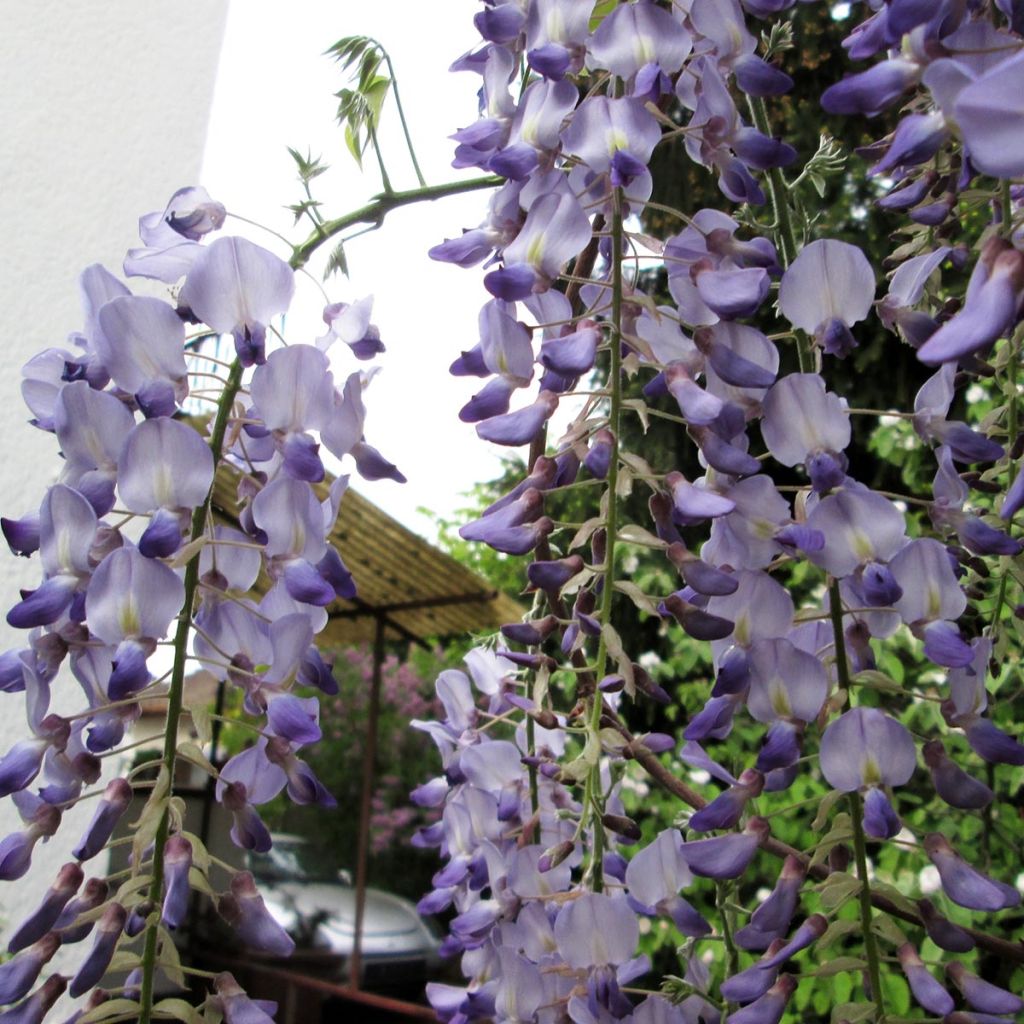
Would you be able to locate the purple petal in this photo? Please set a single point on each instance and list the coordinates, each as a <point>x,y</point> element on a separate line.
<point>17,976</point>
<point>880,820</point>
<point>141,340</point>
<point>965,885</point>
<point>164,464</point>
<point>983,995</point>
<point>177,862</point>
<point>163,535</point>
<point>521,427</point>
<point>990,120</point>
<point>294,718</point>
<point>596,930</point>
<point>44,917</point>
<point>237,287</point>
<point>113,804</point>
<point>927,991</point>
<point>722,856</point>
<point>991,743</point>
<point>132,596</point>
<point>243,908</point>
<point>864,746</point>
<point>952,783</point>
<point>733,293</point>
<point>44,605</point>
<point>371,465</point>
<point>305,584</point>
<point>95,965</point>
<point>942,931</point>
<point>769,1008</point>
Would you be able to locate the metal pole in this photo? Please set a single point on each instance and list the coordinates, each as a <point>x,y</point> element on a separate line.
<point>363,841</point>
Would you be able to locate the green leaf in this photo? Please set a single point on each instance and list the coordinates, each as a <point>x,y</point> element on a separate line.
<point>191,753</point>
<point>200,855</point>
<point>897,994</point>
<point>124,960</point>
<point>637,596</point>
<point>197,880</point>
<point>631,533</point>
<point>601,11</point>
<point>178,1009</point>
<point>613,644</point>
<point>336,261</point>
<point>211,1012</point>
<point>828,801</point>
<point>201,722</point>
<point>149,820</point>
<point>368,70</point>
<point>852,1012</point>
<point>886,928</point>
<point>111,1008</point>
<point>375,94</point>
<point>838,930</point>
<point>837,889</point>
<point>355,144</point>
<point>127,888</point>
<point>308,166</point>
<point>877,681</point>
<point>349,50</point>
<point>838,965</point>
<point>170,960</point>
<point>892,893</point>
<point>841,832</point>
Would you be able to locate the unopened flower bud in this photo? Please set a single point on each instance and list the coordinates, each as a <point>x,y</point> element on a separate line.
<point>95,965</point>
<point>554,856</point>
<point>115,800</point>
<point>622,826</point>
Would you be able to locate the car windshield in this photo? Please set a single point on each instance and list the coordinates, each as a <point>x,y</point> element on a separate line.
<point>292,860</point>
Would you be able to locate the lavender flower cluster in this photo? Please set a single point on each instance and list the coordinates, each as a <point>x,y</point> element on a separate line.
<point>132,551</point>
<point>574,100</point>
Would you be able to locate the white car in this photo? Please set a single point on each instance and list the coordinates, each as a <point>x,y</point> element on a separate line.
<point>316,903</point>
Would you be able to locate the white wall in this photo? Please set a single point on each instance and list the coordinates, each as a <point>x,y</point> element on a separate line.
<point>104,108</point>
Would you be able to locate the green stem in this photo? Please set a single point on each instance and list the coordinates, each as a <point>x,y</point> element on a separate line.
<point>532,768</point>
<point>377,209</point>
<point>1012,428</point>
<point>835,613</point>
<point>614,418</point>
<point>870,943</point>
<point>784,230</point>
<point>176,690</point>
<point>725,915</point>
<point>611,520</point>
<point>597,861</point>
<point>401,118</point>
<point>385,180</point>
<point>857,814</point>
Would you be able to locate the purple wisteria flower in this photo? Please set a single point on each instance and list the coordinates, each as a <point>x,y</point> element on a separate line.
<point>806,425</point>
<point>238,288</point>
<point>865,749</point>
<point>829,287</point>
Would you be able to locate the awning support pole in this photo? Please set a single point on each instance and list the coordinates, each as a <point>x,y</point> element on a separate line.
<point>369,764</point>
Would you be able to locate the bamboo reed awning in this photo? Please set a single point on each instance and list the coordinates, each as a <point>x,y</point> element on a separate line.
<point>415,589</point>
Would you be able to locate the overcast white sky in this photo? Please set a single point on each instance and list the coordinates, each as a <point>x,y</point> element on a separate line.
<point>274,89</point>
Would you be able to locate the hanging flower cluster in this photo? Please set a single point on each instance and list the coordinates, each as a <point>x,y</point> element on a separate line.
<point>132,551</point>
<point>548,904</point>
